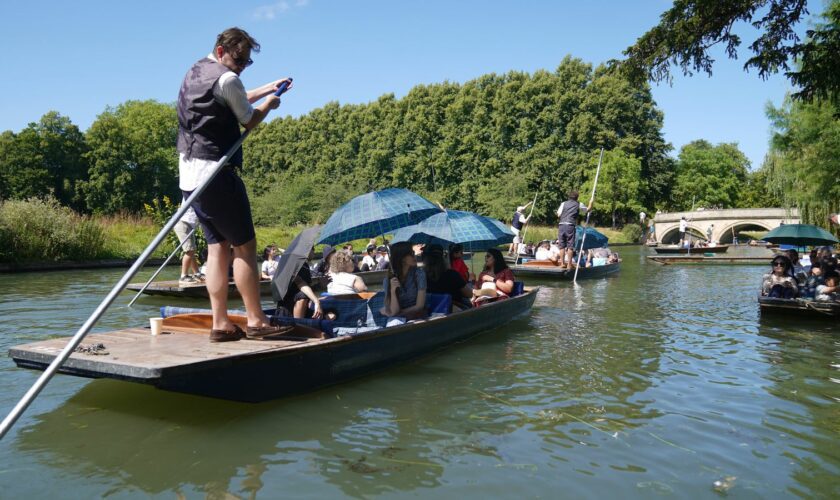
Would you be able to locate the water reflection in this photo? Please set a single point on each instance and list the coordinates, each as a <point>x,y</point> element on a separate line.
<point>660,380</point>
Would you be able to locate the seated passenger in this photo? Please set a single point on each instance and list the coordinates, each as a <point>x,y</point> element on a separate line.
<point>405,292</point>
<point>457,264</point>
<point>595,257</point>
<point>828,292</point>
<point>270,262</point>
<point>815,279</point>
<point>496,281</point>
<point>544,251</point>
<point>323,266</point>
<point>343,282</point>
<point>798,269</point>
<point>369,260</point>
<point>442,279</point>
<point>780,283</point>
<point>298,297</point>
<point>382,259</point>
<point>613,258</point>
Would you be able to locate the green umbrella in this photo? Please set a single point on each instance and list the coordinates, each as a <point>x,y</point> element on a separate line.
<point>800,235</point>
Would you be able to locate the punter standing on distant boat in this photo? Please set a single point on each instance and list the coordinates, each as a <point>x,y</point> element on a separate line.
<point>568,212</point>
<point>516,224</point>
<point>683,228</point>
<point>212,105</point>
<point>185,230</point>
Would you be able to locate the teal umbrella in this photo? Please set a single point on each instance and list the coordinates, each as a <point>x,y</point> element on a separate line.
<point>800,235</point>
<point>475,232</point>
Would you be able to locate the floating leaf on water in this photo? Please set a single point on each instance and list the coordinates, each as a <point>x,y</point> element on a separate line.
<point>723,485</point>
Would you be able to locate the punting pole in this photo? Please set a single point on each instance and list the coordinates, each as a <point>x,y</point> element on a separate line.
<point>161,268</point>
<point>585,224</point>
<point>45,377</point>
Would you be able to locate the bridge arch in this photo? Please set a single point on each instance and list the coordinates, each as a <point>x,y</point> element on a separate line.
<point>672,235</point>
<point>725,234</point>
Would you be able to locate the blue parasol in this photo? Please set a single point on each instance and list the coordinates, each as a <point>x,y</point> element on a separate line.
<point>594,239</point>
<point>475,232</point>
<point>374,214</point>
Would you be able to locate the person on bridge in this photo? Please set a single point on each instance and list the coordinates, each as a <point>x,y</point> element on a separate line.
<point>568,212</point>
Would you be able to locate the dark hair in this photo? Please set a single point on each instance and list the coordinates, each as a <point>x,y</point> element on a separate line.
<point>573,195</point>
<point>267,251</point>
<point>831,275</point>
<point>499,263</point>
<point>828,264</point>
<point>434,264</point>
<point>398,252</point>
<point>457,247</point>
<point>236,41</point>
<point>785,262</point>
<point>792,254</point>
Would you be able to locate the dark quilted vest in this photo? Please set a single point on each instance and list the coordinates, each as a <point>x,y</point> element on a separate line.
<point>207,129</point>
<point>570,212</point>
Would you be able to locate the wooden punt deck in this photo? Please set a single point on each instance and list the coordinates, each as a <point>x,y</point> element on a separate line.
<point>184,360</point>
<point>703,259</point>
<point>172,288</point>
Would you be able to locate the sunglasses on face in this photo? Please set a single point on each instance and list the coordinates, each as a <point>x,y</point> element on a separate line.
<point>243,62</point>
<point>778,264</point>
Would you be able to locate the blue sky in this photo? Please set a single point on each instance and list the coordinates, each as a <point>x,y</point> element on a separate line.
<point>79,57</point>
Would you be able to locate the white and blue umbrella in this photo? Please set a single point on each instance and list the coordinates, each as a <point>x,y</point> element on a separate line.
<point>475,232</point>
<point>374,214</point>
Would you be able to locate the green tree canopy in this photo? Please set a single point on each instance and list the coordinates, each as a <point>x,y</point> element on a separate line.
<point>690,28</point>
<point>132,157</point>
<point>803,163</point>
<point>709,176</point>
<point>44,158</point>
<point>619,185</point>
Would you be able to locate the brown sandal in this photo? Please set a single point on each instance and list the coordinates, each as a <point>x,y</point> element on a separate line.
<point>227,335</point>
<point>265,332</point>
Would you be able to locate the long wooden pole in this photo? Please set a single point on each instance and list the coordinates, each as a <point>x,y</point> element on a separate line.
<point>585,224</point>
<point>74,342</point>
<point>161,268</point>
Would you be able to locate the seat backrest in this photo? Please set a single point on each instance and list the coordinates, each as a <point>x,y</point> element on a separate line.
<point>439,303</point>
<point>518,288</point>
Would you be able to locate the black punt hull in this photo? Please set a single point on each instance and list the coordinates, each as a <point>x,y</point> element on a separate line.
<point>275,373</point>
<point>698,251</point>
<point>828,311</point>
<point>553,273</point>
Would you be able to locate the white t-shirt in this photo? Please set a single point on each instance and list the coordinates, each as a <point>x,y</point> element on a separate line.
<point>683,225</point>
<point>229,91</point>
<point>341,283</point>
<point>543,254</point>
<point>367,259</point>
<point>269,267</point>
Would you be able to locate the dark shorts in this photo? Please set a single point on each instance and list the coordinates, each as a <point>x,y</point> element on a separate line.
<point>566,236</point>
<point>224,211</point>
<point>682,235</point>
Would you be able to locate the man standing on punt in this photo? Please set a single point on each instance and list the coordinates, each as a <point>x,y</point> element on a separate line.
<point>212,103</point>
<point>568,213</point>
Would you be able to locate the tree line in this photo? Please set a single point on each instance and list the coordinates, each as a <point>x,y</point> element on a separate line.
<point>486,145</point>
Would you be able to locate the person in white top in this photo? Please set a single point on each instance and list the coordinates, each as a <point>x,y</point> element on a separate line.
<point>212,106</point>
<point>270,262</point>
<point>343,281</point>
<point>369,260</point>
<point>683,228</point>
<point>184,229</point>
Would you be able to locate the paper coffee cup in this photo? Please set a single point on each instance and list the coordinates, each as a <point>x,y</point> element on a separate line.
<point>156,324</point>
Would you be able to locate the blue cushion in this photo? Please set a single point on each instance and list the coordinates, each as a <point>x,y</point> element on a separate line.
<point>518,288</point>
<point>438,303</point>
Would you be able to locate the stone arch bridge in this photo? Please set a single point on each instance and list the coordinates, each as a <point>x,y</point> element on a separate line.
<point>725,224</point>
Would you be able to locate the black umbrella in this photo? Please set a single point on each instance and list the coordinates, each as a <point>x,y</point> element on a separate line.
<point>295,257</point>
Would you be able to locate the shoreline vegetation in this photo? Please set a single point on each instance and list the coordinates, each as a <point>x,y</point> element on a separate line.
<point>40,234</point>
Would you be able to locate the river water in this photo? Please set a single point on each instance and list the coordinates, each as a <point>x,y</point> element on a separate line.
<point>662,381</point>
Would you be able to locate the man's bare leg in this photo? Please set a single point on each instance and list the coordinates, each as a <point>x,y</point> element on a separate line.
<point>218,263</point>
<point>300,308</point>
<point>188,264</point>
<point>245,274</point>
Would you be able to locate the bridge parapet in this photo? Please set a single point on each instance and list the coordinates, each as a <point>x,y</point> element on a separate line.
<point>730,213</point>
